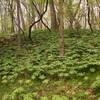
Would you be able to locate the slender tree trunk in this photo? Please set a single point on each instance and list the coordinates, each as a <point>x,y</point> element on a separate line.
<point>12,24</point>
<point>18,20</point>
<point>92,17</point>
<point>85,23</point>
<point>32,13</point>
<point>40,6</point>
<point>22,18</point>
<point>54,25</point>
<point>12,17</point>
<point>61,28</point>
<point>89,16</point>
<point>2,26</point>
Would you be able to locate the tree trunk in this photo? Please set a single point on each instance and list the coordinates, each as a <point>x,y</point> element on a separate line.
<point>54,25</point>
<point>18,21</point>
<point>12,17</point>
<point>32,13</point>
<point>22,18</point>
<point>41,8</point>
<point>89,16</point>
<point>61,28</point>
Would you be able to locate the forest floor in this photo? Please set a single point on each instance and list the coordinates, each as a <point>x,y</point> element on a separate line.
<point>36,72</point>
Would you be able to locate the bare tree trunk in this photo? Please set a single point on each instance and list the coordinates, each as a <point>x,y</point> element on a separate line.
<point>32,11</point>
<point>11,10</point>
<point>18,20</point>
<point>40,19</point>
<point>61,28</point>
<point>89,17</point>
<point>54,25</point>
<point>2,26</point>
<point>12,23</point>
<point>40,6</point>
<point>22,18</point>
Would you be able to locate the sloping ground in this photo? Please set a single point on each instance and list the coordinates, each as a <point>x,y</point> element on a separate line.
<point>35,70</point>
<point>5,41</point>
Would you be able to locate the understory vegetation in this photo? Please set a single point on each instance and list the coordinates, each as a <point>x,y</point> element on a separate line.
<point>36,72</point>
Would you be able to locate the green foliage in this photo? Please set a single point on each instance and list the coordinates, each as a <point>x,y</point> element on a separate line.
<point>44,98</point>
<point>19,93</point>
<point>57,97</point>
<point>3,34</point>
<point>96,84</point>
<point>40,60</point>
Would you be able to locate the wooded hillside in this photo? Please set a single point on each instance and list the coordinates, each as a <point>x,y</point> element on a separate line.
<point>49,49</point>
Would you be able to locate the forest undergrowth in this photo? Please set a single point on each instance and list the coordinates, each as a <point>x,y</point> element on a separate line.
<point>36,72</point>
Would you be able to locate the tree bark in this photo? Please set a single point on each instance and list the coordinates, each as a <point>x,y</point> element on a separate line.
<point>22,18</point>
<point>61,28</point>
<point>54,25</point>
<point>89,17</point>
<point>18,21</point>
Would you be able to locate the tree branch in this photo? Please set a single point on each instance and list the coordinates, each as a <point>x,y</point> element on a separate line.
<point>40,19</point>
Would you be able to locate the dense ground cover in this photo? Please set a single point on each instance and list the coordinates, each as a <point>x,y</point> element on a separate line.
<point>37,72</point>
